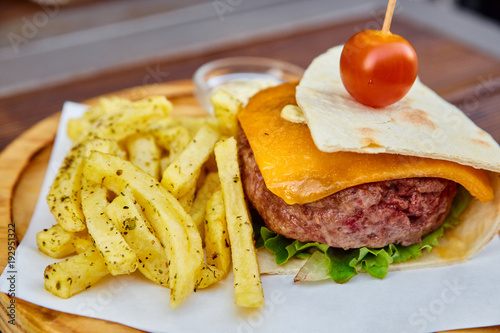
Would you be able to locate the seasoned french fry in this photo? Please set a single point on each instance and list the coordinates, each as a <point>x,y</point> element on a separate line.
<point>208,276</point>
<point>76,127</point>
<point>143,152</point>
<point>174,140</point>
<point>173,226</point>
<point>106,105</point>
<point>64,193</point>
<point>104,146</point>
<point>113,211</point>
<point>111,105</point>
<point>57,242</point>
<point>134,228</point>
<point>179,175</point>
<point>247,284</point>
<point>115,120</point>
<point>82,243</point>
<point>159,103</point>
<point>187,199</point>
<point>121,124</point>
<point>217,244</point>
<point>198,209</point>
<point>218,251</point>
<point>192,124</point>
<point>73,275</point>
<point>225,109</point>
<point>117,255</point>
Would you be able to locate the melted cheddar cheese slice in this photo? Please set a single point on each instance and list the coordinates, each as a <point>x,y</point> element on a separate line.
<point>294,169</point>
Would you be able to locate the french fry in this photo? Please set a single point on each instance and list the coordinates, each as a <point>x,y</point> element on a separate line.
<point>208,276</point>
<point>76,127</point>
<point>226,108</point>
<point>158,103</point>
<point>187,199</point>
<point>64,193</point>
<point>73,275</point>
<point>82,243</point>
<point>112,105</point>
<point>146,224</point>
<point>173,226</point>
<point>217,249</point>
<point>143,152</point>
<point>58,243</point>
<point>179,175</point>
<point>113,119</point>
<point>192,124</point>
<point>104,146</point>
<point>199,206</point>
<point>134,228</point>
<point>119,125</point>
<point>105,106</point>
<point>174,140</point>
<point>247,284</point>
<point>118,256</point>
<point>217,244</point>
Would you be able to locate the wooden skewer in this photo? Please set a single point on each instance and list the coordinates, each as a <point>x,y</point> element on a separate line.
<point>388,16</point>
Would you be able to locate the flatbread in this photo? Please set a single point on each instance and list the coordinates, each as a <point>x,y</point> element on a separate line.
<point>421,124</point>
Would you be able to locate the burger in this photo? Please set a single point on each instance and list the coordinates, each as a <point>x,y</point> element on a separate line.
<point>413,184</point>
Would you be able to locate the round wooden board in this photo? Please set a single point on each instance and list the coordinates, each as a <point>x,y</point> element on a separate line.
<point>22,166</point>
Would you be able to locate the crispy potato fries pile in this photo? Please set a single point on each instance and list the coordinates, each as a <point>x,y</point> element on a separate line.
<point>141,189</point>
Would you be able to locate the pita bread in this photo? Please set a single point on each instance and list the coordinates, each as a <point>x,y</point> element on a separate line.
<point>421,124</point>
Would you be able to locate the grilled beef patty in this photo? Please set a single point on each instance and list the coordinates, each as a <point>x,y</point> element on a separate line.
<point>376,214</point>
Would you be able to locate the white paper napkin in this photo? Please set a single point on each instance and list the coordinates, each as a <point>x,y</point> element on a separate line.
<point>458,296</point>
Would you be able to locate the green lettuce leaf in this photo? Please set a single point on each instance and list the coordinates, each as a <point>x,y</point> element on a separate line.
<point>343,265</point>
<point>285,248</point>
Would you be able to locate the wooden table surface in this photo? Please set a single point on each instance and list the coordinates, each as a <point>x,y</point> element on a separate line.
<point>460,74</point>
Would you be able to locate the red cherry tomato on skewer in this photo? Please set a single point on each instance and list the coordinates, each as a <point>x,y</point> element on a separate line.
<point>378,68</point>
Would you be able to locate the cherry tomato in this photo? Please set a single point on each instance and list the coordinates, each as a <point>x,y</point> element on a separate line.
<point>378,68</point>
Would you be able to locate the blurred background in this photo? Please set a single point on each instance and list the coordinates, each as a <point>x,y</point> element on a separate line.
<point>53,51</point>
<point>487,8</point>
<point>48,42</point>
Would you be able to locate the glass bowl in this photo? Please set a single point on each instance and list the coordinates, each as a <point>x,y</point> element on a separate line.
<point>241,76</point>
